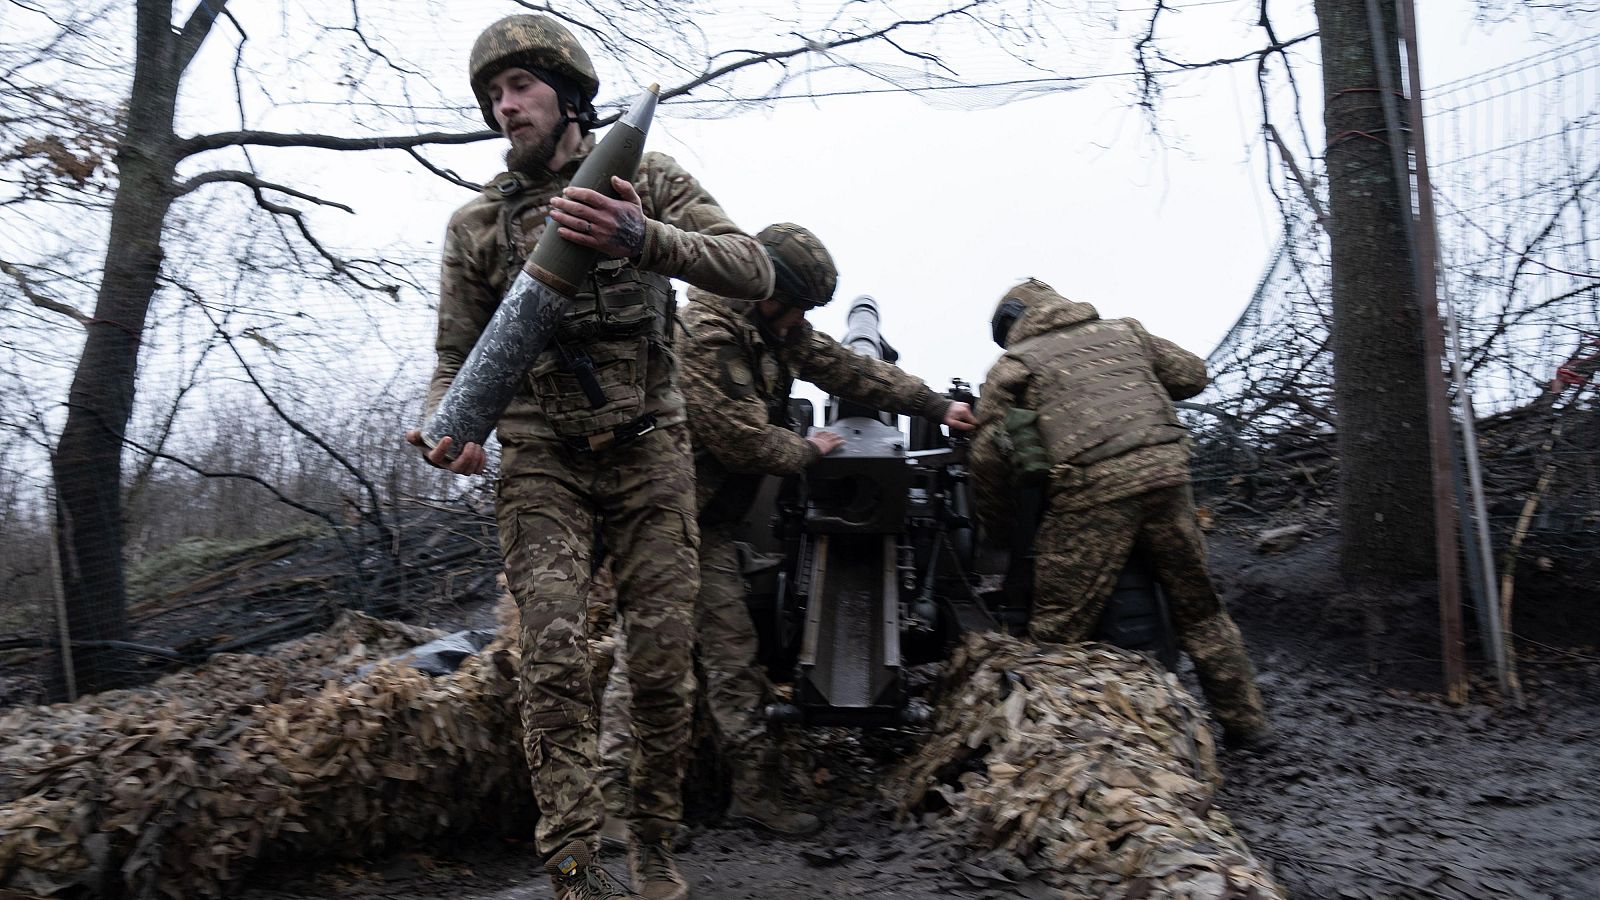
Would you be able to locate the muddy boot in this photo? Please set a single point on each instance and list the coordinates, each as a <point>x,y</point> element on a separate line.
<point>758,800</point>
<point>575,875</point>
<point>653,867</point>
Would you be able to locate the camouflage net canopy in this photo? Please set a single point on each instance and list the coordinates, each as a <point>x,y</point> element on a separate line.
<point>1084,768</point>
<point>181,788</point>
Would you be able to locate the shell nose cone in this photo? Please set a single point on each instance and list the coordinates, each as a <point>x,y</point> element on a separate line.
<point>643,109</point>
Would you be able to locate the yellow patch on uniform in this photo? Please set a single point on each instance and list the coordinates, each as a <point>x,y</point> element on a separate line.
<point>739,373</point>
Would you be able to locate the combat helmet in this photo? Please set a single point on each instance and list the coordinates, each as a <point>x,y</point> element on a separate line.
<point>544,47</point>
<point>803,269</point>
<point>1013,305</point>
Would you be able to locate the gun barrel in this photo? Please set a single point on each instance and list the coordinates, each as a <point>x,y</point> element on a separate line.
<point>862,334</point>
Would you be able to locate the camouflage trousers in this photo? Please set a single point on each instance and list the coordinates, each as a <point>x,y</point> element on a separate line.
<point>735,682</point>
<point>1080,553</point>
<point>737,689</point>
<point>612,696</point>
<point>615,697</point>
<point>550,502</point>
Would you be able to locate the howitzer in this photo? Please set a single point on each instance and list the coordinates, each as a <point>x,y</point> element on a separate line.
<point>870,562</point>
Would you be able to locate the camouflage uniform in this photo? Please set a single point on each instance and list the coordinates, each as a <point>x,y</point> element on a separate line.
<point>1119,476</point>
<point>737,386</point>
<point>609,681</point>
<point>554,493</point>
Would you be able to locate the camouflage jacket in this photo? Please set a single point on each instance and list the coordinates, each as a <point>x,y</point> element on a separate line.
<point>1114,384</point>
<point>687,236</point>
<point>737,386</point>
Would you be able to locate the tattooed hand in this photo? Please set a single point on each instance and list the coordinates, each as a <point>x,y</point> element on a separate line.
<point>591,219</point>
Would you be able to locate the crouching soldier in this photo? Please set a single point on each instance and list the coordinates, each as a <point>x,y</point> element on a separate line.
<point>740,360</point>
<point>1101,393</point>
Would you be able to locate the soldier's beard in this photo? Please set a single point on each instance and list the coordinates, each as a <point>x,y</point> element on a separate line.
<point>533,158</point>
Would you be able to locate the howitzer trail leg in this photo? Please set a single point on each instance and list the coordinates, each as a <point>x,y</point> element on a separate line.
<point>648,516</point>
<point>545,535</point>
<point>1205,630</point>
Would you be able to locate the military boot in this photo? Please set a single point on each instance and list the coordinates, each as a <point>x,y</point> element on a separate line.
<point>758,800</point>
<point>653,867</point>
<point>577,876</point>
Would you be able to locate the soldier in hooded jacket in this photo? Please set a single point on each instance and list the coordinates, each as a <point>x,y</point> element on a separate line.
<point>571,465</point>
<point>1098,395</point>
<point>740,361</point>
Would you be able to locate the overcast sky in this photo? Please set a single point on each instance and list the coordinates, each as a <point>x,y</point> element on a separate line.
<point>935,212</point>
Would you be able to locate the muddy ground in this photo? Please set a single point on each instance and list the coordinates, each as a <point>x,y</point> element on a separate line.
<point>1375,788</point>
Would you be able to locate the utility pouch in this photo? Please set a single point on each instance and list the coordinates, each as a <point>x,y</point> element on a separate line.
<point>581,366</point>
<point>1029,461</point>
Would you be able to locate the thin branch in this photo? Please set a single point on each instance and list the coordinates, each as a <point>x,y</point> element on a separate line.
<point>205,142</point>
<point>811,46</point>
<point>1299,177</point>
<point>447,174</point>
<point>1231,60</point>
<point>25,284</point>
<point>375,514</point>
<point>244,476</point>
<point>252,180</point>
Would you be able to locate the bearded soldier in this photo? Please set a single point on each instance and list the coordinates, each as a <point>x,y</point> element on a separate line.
<point>595,438</point>
<point>1097,395</point>
<point>740,359</point>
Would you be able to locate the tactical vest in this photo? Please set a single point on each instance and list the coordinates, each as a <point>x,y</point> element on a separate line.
<point>613,334</point>
<point>1096,392</point>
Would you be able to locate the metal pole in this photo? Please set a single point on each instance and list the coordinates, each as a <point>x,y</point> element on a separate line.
<point>1489,615</point>
<point>1423,240</point>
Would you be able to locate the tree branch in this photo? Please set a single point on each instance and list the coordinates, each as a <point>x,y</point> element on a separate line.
<point>447,174</point>
<point>25,284</point>
<point>811,46</point>
<point>196,29</point>
<point>205,142</point>
<point>252,180</point>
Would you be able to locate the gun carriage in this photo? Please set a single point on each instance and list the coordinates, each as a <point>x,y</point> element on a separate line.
<point>870,562</point>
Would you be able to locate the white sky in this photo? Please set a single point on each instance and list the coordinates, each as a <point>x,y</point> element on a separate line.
<point>936,212</point>
<point>933,212</point>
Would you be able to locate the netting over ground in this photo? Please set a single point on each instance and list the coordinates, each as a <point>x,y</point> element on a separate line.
<point>1086,766</point>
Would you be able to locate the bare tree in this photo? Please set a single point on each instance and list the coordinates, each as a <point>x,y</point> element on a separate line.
<point>149,173</point>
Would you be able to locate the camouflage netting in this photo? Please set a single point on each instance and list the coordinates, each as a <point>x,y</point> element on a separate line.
<point>180,788</point>
<point>1085,766</point>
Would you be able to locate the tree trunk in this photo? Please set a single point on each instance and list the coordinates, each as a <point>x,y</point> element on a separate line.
<point>88,461</point>
<point>1386,513</point>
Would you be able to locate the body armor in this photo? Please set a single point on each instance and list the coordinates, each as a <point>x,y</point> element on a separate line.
<point>1098,396</point>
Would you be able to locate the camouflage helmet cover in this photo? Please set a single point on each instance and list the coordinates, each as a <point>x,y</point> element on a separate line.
<point>803,269</point>
<point>539,44</point>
